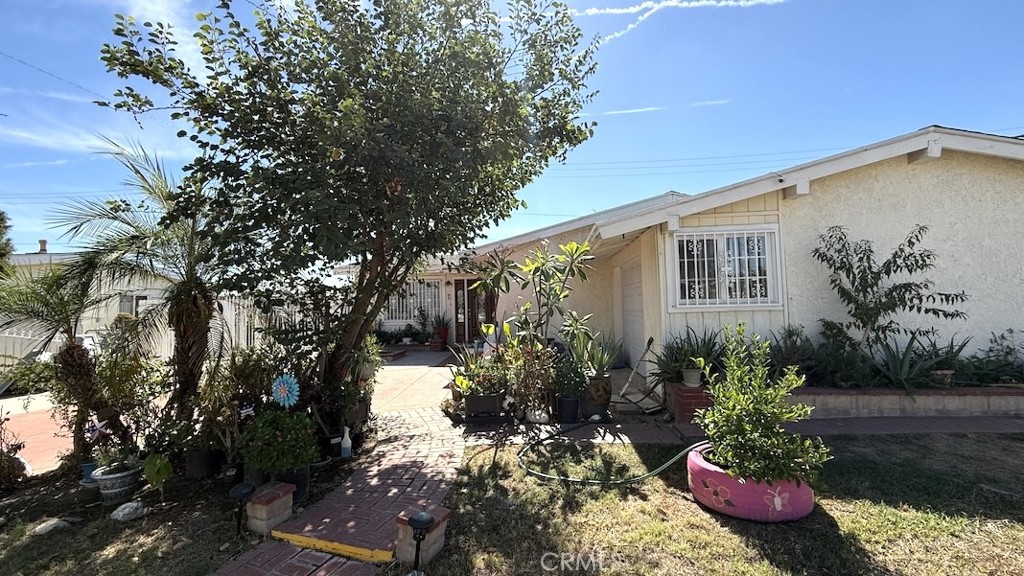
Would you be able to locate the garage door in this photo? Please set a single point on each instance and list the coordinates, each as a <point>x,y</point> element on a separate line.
<point>633,338</point>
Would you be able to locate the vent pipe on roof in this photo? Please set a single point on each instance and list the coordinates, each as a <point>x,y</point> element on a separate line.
<point>42,247</point>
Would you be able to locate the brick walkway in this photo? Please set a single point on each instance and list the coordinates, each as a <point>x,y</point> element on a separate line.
<point>413,465</point>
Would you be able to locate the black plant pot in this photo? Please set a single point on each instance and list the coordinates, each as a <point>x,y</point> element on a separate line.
<point>568,410</point>
<point>255,476</point>
<point>300,478</point>
<point>480,405</point>
<point>202,463</point>
<point>330,445</point>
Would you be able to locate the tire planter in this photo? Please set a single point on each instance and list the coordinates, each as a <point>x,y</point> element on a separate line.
<point>780,501</point>
<point>117,487</point>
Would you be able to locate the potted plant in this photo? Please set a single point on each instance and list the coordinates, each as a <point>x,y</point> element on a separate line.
<point>601,356</point>
<point>569,383</point>
<point>752,468</point>
<point>440,329</point>
<point>484,384</point>
<point>282,445</point>
<point>677,363</point>
<point>117,473</point>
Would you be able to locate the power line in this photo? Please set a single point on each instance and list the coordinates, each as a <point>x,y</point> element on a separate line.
<point>52,75</point>
<point>772,161</point>
<point>712,157</point>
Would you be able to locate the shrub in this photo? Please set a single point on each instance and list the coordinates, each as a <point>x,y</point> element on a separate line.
<point>682,353</point>
<point>907,365</point>
<point>569,379</point>
<point>1001,362</point>
<point>839,360</point>
<point>12,470</point>
<point>277,441</point>
<point>792,347</point>
<point>29,377</point>
<point>744,424</point>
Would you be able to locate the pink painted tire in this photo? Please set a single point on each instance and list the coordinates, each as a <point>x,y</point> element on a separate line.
<point>780,501</point>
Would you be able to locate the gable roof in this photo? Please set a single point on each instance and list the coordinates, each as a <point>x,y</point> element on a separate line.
<point>926,143</point>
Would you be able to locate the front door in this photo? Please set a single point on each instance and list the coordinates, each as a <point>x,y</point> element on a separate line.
<point>473,307</point>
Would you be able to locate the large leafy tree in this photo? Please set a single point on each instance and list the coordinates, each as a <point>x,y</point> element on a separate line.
<point>363,134</point>
<point>127,242</point>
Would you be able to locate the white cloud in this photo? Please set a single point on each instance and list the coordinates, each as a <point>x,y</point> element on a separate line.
<point>177,13</point>
<point>48,132</point>
<point>649,8</point>
<point>51,94</point>
<point>59,162</point>
<point>52,136</point>
<point>633,111</point>
<point>708,103</point>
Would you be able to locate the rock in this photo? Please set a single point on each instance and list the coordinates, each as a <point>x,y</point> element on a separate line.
<point>224,546</point>
<point>184,542</point>
<point>2,521</point>
<point>130,511</point>
<point>73,519</point>
<point>49,526</point>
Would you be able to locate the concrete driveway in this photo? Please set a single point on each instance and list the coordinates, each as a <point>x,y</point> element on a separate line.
<point>416,380</point>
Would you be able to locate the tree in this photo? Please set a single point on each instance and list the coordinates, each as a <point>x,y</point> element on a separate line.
<point>6,246</point>
<point>53,303</point>
<point>874,292</point>
<point>371,135</point>
<point>128,243</point>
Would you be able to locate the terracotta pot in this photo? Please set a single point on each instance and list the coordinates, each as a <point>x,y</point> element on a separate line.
<point>780,501</point>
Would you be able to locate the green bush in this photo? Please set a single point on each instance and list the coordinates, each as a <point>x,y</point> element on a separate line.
<point>570,378</point>
<point>744,423</point>
<point>29,377</point>
<point>277,441</point>
<point>792,347</point>
<point>839,360</point>
<point>1002,362</point>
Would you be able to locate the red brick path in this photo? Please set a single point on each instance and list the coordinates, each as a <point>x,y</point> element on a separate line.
<point>39,432</point>
<point>414,464</point>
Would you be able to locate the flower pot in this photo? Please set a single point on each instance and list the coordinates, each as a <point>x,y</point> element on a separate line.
<point>299,477</point>
<point>437,345</point>
<point>87,469</point>
<point>691,378</point>
<point>117,487</point>
<point>943,377</point>
<point>568,410</point>
<point>600,389</point>
<point>330,445</point>
<point>779,501</point>
<point>537,416</point>
<point>201,464</point>
<point>478,404</point>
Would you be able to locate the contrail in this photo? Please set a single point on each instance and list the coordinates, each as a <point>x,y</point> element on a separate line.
<point>650,7</point>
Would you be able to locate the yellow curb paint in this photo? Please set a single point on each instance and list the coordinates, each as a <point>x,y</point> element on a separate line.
<point>336,548</point>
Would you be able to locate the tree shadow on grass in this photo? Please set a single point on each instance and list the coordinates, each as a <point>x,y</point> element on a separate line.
<point>972,476</point>
<point>813,545</point>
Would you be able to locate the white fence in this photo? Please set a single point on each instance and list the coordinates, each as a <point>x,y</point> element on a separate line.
<point>18,344</point>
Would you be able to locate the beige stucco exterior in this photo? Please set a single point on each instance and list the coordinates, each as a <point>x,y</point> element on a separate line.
<point>974,207</point>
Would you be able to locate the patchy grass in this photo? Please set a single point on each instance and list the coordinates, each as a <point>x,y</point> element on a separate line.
<point>887,505</point>
<point>191,533</point>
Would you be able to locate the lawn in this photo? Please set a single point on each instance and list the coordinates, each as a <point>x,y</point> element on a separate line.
<point>887,505</point>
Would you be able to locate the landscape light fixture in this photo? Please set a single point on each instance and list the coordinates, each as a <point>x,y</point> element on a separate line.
<point>420,523</point>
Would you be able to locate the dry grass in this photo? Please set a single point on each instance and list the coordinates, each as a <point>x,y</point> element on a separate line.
<point>887,505</point>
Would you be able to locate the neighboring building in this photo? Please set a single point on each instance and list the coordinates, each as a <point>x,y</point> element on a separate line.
<point>742,253</point>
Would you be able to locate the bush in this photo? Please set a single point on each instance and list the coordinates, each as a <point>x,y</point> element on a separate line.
<point>792,347</point>
<point>277,441</point>
<point>839,360</point>
<point>12,470</point>
<point>29,377</point>
<point>744,424</point>
<point>1001,362</point>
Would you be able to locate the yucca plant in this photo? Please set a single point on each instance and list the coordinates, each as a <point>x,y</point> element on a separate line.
<point>905,365</point>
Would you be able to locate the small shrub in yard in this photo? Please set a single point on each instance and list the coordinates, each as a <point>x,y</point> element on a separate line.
<point>744,424</point>
<point>840,361</point>
<point>1001,362</point>
<point>12,470</point>
<point>277,441</point>
<point>791,347</point>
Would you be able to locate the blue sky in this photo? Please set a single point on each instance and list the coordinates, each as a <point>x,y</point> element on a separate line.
<point>693,95</point>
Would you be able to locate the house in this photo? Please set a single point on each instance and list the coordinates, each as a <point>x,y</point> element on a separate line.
<point>742,253</point>
<point>132,298</point>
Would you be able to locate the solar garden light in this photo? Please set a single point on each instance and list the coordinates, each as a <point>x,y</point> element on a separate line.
<point>420,523</point>
<point>240,493</point>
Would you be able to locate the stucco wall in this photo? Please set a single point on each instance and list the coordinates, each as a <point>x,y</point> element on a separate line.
<point>591,297</point>
<point>974,206</point>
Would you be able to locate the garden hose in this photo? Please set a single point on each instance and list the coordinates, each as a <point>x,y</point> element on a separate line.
<point>592,481</point>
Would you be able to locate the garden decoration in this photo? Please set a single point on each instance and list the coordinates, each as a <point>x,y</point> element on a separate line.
<point>96,429</point>
<point>246,410</point>
<point>286,390</point>
<point>753,468</point>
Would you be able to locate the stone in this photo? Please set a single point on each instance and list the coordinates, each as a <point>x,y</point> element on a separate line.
<point>73,519</point>
<point>2,521</point>
<point>49,526</point>
<point>131,511</point>
<point>269,506</point>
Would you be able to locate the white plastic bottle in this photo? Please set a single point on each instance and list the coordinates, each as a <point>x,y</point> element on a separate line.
<point>346,445</point>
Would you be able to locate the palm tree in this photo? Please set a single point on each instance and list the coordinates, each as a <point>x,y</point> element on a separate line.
<point>52,303</point>
<point>133,240</point>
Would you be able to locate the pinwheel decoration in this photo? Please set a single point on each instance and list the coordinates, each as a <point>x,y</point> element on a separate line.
<point>95,429</point>
<point>286,390</point>
<point>246,410</point>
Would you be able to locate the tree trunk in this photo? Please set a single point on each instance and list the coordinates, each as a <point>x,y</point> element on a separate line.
<point>190,321</point>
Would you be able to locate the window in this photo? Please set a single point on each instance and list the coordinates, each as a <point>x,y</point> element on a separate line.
<point>130,305</point>
<point>735,268</point>
<point>404,306</point>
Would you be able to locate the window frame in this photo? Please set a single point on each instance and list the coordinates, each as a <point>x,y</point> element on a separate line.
<point>776,285</point>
